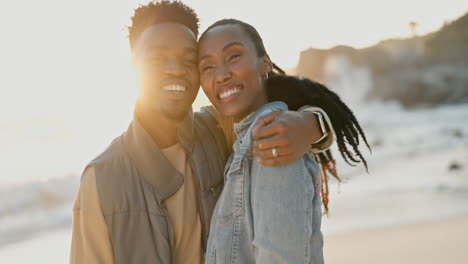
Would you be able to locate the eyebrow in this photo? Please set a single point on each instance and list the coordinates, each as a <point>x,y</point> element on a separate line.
<point>235,43</point>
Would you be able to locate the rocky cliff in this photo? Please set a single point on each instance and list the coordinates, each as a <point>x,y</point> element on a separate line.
<point>422,70</point>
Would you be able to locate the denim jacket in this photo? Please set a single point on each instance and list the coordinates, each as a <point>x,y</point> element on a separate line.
<point>266,214</point>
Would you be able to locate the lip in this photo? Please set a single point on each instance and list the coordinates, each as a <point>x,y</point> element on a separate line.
<point>226,88</point>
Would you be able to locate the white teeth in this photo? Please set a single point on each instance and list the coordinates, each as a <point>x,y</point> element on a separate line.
<point>174,88</point>
<point>228,93</point>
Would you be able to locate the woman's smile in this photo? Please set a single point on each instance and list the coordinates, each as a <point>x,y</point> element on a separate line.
<point>228,93</point>
<point>231,71</point>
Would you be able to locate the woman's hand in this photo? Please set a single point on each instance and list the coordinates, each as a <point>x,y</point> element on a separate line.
<point>290,132</point>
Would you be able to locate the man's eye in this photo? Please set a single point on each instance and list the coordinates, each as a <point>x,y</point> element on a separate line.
<point>191,60</point>
<point>156,60</point>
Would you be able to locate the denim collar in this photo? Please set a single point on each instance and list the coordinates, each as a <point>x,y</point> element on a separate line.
<point>241,128</point>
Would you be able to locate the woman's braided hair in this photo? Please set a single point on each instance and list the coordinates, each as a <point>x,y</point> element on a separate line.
<point>297,92</point>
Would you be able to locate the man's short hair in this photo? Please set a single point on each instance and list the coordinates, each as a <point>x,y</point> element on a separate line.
<point>157,12</point>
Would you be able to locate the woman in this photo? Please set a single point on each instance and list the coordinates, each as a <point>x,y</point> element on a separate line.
<point>264,214</point>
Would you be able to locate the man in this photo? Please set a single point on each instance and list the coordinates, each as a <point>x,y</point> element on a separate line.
<point>149,197</point>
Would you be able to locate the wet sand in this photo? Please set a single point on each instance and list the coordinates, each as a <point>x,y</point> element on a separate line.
<point>442,241</point>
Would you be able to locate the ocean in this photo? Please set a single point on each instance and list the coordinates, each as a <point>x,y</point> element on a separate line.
<point>41,161</point>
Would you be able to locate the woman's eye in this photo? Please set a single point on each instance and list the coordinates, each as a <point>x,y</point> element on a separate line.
<point>234,58</point>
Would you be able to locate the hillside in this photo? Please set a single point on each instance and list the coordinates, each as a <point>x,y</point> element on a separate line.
<point>422,70</point>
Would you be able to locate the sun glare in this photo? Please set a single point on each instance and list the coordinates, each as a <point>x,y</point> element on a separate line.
<point>71,61</point>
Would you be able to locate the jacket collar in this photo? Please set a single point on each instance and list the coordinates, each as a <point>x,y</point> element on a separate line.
<point>241,128</point>
<point>151,162</point>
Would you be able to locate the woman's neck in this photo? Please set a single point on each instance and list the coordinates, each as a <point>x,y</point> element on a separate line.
<point>262,99</point>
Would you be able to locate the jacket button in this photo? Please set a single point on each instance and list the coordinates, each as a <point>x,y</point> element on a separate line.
<point>212,190</point>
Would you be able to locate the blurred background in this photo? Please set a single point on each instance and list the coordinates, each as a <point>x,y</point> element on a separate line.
<point>67,89</point>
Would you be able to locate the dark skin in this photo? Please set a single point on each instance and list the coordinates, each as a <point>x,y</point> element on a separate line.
<point>168,79</point>
<point>169,82</point>
<point>232,75</point>
<point>286,131</point>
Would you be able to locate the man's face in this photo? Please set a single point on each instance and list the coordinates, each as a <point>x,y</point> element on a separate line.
<point>166,60</point>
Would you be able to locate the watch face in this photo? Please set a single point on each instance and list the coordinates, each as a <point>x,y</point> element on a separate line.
<point>322,127</point>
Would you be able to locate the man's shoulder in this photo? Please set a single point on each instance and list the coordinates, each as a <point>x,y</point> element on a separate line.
<point>206,116</point>
<point>113,161</point>
<point>115,176</point>
<point>207,125</point>
<point>114,151</point>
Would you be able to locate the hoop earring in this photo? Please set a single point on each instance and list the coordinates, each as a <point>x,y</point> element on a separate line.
<point>266,76</point>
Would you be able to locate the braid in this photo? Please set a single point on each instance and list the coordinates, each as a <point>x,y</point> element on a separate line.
<point>297,92</point>
<point>327,166</point>
<point>278,69</point>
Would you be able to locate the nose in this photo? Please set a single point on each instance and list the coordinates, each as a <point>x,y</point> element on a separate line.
<point>175,67</point>
<point>222,74</point>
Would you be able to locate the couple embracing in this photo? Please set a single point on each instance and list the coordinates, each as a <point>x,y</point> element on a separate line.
<point>242,181</point>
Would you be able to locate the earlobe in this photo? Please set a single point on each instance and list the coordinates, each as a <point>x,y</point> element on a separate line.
<point>267,65</point>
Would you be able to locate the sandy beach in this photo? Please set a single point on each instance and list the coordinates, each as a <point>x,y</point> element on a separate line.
<point>442,241</point>
<point>48,248</point>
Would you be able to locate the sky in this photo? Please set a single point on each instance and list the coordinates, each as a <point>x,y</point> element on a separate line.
<point>67,86</point>
<point>72,57</point>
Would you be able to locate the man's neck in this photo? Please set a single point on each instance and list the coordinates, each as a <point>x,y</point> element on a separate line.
<point>161,129</point>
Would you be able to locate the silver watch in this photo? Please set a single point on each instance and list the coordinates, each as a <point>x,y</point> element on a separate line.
<point>322,127</point>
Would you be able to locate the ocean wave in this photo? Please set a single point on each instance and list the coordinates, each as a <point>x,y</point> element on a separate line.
<point>31,207</point>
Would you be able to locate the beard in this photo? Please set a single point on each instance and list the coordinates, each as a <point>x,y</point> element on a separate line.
<point>175,113</point>
<point>170,112</point>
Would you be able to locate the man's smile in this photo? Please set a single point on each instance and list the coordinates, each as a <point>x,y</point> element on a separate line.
<point>174,88</point>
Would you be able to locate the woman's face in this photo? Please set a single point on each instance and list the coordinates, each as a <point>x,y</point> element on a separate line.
<point>231,72</point>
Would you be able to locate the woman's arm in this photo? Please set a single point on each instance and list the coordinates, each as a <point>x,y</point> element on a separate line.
<point>291,132</point>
